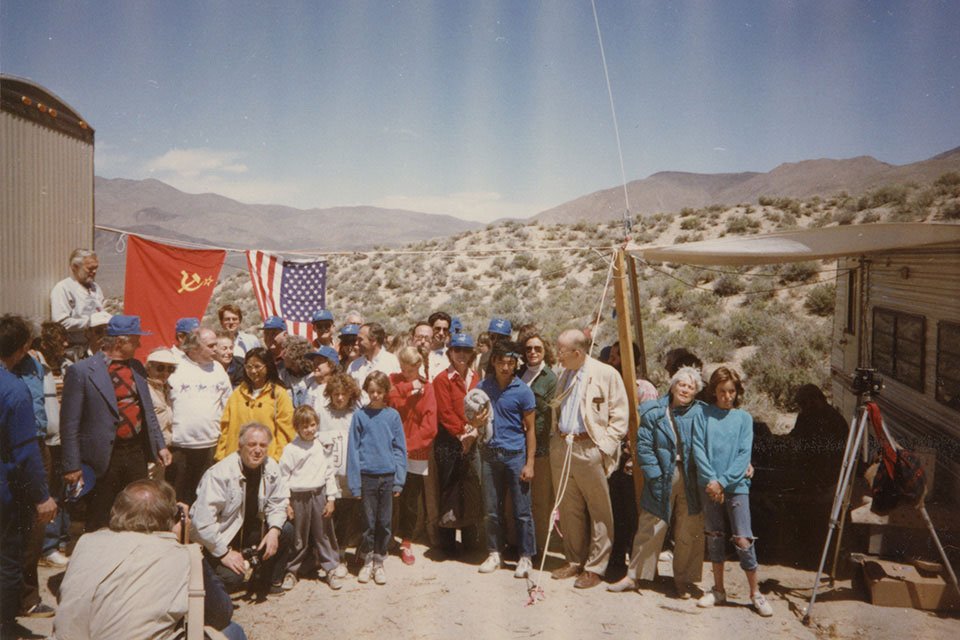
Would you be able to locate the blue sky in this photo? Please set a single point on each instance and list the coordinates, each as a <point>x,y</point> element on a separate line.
<point>486,108</point>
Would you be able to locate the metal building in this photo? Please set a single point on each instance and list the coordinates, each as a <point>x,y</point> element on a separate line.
<point>46,193</point>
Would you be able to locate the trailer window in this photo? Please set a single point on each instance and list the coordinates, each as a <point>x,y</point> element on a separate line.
<point>898,340</point>
<point>948,364</point>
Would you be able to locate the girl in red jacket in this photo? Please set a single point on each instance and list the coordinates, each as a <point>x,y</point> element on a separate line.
<point>412,396</point>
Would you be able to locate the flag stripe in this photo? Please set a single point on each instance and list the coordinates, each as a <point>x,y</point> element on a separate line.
<point>291,290</point>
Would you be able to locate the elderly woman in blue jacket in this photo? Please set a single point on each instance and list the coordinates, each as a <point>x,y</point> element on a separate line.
<point>722,446</point>
<point>670,491</point>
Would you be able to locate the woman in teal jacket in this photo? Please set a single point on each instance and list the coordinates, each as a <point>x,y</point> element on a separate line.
<point>722,445</point>
<point>670,493</point>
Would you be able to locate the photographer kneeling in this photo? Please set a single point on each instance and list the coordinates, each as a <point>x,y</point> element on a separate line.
<point>132,580</point>
<point>240,516</point>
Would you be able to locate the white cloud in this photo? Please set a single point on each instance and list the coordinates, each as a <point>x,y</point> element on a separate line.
<point>192,163</point>
<point>480,206</point>
<point>719,148</point>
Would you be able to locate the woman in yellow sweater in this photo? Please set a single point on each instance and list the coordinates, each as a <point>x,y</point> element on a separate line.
<point>259,398</point>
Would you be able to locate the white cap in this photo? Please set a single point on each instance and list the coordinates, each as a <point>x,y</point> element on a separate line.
<point>99,318</point>
<point>162,356</point>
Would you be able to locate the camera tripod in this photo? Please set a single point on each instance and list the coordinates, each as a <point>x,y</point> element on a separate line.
<point>841,499</point>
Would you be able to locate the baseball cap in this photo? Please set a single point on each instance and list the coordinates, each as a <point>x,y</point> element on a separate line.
<point>126,326</point>
<point>500,326</point>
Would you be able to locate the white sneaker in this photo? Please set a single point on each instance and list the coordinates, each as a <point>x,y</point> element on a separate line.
<point>491,564</point>
<point>762,606</point>
<point>340,571</point>
<point>379,575</point>
<point>55,559</point>
<point>365,571</point>
<point>711,598</point>
<point>289,582</point>
<point>524,567</point>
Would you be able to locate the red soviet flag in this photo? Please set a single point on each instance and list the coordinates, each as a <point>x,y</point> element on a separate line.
<point>164,284</point>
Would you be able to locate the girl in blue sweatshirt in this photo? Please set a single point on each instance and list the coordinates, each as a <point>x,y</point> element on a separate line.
<point>722,446</point>
<point>376,470</point>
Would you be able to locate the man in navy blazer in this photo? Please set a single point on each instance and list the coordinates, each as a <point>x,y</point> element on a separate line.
<point>107,420</point>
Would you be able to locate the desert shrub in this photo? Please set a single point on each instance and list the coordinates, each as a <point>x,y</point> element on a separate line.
<point>744,326</point>
<point>728,284</point>
<point>697,306</point>
<point>671,299</point>
<point>524,260</point>
<point>788,356</point>
<point>552,267</point>
<point>950,211</point>
<point>692,223</point>
<point>759,290</point>
<point>869,217</point>
<point>820,299</point>
<point>893,194</point>
<point>707,345</point>
<point>798,272</point>
<point>844,217</point>
<point>742,224</point>
<point>460,266</point>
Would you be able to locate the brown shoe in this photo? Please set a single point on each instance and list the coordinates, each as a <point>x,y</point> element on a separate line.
<point>568,570</point>
<point>587,579</point>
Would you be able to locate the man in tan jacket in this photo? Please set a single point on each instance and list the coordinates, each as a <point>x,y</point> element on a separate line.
<point>591,418</point>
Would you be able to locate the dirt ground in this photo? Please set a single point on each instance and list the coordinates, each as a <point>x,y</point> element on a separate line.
<point>444,599</point>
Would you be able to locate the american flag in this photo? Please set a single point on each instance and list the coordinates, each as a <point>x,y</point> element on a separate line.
<point>291,289</point>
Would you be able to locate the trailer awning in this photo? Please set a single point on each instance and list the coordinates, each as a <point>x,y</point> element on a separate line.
<point>807,244</point>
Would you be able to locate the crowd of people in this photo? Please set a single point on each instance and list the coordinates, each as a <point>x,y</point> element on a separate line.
<point>285,459</point>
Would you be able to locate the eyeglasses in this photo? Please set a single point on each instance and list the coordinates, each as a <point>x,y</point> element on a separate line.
<point>164,368</point>
<point>252,366</point>
<point>534,348</point>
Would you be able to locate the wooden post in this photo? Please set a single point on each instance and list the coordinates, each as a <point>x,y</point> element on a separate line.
<point>620,278</point>
<point>637,316</point>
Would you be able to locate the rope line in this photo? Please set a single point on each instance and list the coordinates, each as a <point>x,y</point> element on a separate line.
<point>613,111</point>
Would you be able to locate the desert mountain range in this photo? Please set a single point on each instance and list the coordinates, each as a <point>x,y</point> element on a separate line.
<point>151,207</point>
<point>669,191</point>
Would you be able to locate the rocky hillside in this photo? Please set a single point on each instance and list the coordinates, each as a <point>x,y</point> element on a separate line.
<point>773,321</point>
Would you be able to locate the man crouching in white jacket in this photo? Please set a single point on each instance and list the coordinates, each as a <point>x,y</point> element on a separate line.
<point>240,516</point>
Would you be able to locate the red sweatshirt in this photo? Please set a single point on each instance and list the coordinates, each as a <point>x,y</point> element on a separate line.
<point>418,411</point>
<point>450,390</point>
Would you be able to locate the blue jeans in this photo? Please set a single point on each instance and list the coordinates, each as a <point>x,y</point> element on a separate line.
<point>57,533</point>
<point>376,493</point>
<point>500,471</point>
<point>737,508</point>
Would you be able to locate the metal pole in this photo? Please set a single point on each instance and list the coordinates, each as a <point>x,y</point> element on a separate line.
<point>936,539</point>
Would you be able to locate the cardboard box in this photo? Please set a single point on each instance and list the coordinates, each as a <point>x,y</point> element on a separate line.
<point>893,584</point>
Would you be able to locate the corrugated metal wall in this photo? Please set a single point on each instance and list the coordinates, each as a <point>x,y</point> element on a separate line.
<point>46,211</point>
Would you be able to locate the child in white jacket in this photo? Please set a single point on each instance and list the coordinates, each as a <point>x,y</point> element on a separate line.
<point>310,473</point>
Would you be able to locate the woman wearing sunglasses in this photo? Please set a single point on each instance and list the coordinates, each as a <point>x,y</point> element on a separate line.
<point>160,364</point>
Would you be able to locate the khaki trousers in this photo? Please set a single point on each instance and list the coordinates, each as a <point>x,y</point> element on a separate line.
<point>586,516</point>
<point>688,540</point>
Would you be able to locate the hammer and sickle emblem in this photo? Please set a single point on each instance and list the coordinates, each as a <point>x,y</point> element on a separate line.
<point>189,282</point>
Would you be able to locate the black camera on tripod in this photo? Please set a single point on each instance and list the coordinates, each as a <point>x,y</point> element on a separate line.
<point>253,555</point>
<point>867,381</point>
